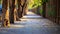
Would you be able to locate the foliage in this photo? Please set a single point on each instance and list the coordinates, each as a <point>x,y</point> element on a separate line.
<point>37,3</point>
<point>34,3</point>
<point>41,11</point>
<point>0,1</point>
<point>31,2</point>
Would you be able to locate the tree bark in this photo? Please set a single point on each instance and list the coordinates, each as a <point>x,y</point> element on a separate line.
<point>15,11</point>
<point>44,9</point>
<point>5,13</point>
<point>19,10</point>
<point>24,7</point>
<point>11,12</point>
<point>22,4</point>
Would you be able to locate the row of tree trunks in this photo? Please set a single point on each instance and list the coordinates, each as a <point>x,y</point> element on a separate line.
<point>22,7</point>
<point>5,13</point>
<point>10,13</point>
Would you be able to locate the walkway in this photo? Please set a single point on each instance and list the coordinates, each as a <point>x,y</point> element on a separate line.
<point>32,24</point>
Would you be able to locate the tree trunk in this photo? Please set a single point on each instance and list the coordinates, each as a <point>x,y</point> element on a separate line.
<point>15,11</point>
<point>5,14</point>
<point>19,10</point>
<point>11,12</point>
<point>44,9</point>
<point>24,7</point>
<point>22,4</point>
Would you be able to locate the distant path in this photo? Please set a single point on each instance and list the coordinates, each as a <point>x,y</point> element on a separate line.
<point>32,15</point>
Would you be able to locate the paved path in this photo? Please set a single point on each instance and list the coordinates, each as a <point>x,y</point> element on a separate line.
<point>32,26</point>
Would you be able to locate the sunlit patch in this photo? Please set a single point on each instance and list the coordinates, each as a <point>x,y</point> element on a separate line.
<point>30,13</point>
<point>17,26</point>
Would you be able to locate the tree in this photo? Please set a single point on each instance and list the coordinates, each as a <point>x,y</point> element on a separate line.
<point>11,12</point>
<point>22,4</point>
<point>5,14</point>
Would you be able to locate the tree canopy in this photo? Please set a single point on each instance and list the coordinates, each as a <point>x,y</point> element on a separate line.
<point>34,3</point>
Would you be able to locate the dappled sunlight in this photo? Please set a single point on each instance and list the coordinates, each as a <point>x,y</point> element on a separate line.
<point>30,12</point>
<point>17,26</point>
<point>7,14</point>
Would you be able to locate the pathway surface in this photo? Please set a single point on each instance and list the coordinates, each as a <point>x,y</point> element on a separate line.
<point>32,24</point>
